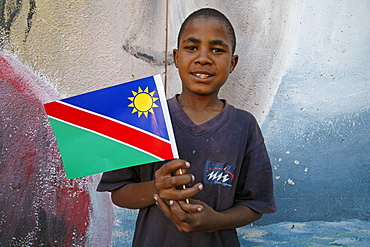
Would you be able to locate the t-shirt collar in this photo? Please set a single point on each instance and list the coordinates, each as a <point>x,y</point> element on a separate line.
<point>206,127</point>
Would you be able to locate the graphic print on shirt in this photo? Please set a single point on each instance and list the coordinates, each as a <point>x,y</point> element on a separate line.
<point>218,174</point>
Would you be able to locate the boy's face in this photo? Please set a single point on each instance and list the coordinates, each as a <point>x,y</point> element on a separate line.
<point>204,57</point>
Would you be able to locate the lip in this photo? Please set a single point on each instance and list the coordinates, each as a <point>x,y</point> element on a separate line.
<point>202,75</point>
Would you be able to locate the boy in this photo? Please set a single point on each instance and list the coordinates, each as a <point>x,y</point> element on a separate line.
<point>224,162</point>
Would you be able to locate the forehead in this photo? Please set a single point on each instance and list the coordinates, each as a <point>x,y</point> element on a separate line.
<point>205,28</point>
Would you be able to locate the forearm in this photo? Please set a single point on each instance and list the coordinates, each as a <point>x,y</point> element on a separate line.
<point>135,195</point>
<point>237,216</point>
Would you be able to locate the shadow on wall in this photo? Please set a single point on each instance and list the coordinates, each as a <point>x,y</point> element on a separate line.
<point>39,205</point>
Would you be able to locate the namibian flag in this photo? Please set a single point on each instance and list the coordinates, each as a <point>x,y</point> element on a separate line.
<point>112,128</point>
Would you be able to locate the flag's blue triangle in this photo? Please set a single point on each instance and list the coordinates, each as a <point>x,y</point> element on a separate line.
<point>114,102</point>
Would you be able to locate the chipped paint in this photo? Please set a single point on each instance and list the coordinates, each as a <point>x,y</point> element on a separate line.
<point>290,181</point>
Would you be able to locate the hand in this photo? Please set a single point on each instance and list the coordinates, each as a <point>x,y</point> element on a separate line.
<point>168,177</point>
<point>188,217</point>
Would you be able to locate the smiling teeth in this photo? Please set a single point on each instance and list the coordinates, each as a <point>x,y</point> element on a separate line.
<point>203,76</point>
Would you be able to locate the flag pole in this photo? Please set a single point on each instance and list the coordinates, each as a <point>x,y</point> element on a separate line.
<point>166,51</point>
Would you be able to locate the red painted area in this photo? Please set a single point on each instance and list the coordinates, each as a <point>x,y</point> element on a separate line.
<point>110,128</point>
<point>22,80</point>
<point>39,206</point>
<point>7,74</point>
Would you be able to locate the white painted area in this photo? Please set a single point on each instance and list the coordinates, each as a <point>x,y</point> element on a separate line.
<point>86,45</point>
<point>290,181</point>
<point>331,70</point>
<point>266,38</point>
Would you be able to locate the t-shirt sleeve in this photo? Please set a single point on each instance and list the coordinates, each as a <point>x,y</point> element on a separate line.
<point>116,179</point>
<point>255,185</point>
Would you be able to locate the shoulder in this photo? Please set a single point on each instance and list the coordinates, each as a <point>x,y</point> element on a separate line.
<point>173,105</point>
<point>172,101</point>
<point>240,115</point>
<point>246,125</point>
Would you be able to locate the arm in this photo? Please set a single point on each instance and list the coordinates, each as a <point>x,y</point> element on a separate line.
<point>140,195</point>
<point>135,195</point>
<point>207,219</point>
<point>237,216</point>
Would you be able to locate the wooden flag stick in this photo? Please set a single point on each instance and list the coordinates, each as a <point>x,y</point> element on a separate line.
<point>184,187</point>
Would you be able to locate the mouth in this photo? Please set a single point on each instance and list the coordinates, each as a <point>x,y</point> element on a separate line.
<point>201,75</point>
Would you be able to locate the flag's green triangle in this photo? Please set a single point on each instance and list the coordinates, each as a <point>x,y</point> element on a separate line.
<point>85,153</point>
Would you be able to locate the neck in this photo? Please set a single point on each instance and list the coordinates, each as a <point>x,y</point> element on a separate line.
<point>200,109</point>
<point>200,102</point>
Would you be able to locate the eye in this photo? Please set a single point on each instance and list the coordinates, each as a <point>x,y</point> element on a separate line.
<point>218,50</point>
<point>190,48</point>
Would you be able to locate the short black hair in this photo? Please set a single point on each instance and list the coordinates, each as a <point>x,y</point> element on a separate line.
<point>210,13</point>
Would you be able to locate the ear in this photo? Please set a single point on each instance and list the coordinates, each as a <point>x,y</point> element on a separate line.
<point>175,54</point>
<point>234,62</point>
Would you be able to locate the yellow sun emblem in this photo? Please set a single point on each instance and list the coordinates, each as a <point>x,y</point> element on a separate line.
<point>143,102</point>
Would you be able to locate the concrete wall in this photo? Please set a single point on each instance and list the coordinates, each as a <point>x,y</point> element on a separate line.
<point>303,72</point>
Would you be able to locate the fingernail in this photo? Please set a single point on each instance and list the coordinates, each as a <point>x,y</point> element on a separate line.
<point>200,187</point>
<point>199,209</point>
<point>155,199</point>
<point>187,164</point>
<point>171,202</point>
<point>192,178</point>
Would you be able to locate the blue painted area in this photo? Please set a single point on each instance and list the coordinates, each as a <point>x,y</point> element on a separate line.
<point>317,233</point>
<point>124,226</point>
<point>321,161</point>
<point>292,234</point>
<point>318,131</point>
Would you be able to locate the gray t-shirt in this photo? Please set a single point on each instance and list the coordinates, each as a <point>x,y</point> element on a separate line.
<point>227,154</point>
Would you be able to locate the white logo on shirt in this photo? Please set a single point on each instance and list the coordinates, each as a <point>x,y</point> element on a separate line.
<point>218,176</point>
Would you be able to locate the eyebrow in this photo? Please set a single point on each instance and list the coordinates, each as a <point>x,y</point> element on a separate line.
<point>212,42</point>
<point>191,39</point>
<point>218,42</point>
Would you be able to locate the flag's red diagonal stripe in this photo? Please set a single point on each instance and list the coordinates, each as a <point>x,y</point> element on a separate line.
<point>110,128</point>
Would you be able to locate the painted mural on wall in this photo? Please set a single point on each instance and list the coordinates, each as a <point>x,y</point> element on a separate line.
<point>303,72</point>
<point>39,205</point>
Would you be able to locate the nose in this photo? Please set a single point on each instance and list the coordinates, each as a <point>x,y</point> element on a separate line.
<point>203,57</point>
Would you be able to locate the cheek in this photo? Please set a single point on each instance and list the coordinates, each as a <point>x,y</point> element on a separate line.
<point>227,67</point>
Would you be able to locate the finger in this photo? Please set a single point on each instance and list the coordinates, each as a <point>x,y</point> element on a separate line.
<point>185,221</point>
<point>178,212</point>
<point>175,213</point>
<point>189,192</point>
<point>180,180</point>
<point>190,207</point>
<point>162,206</point>
<point>172,166</point>
<point>163,175</point>
<point>167,210</point>
<point>169,184</point>
<point>180,195</point>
